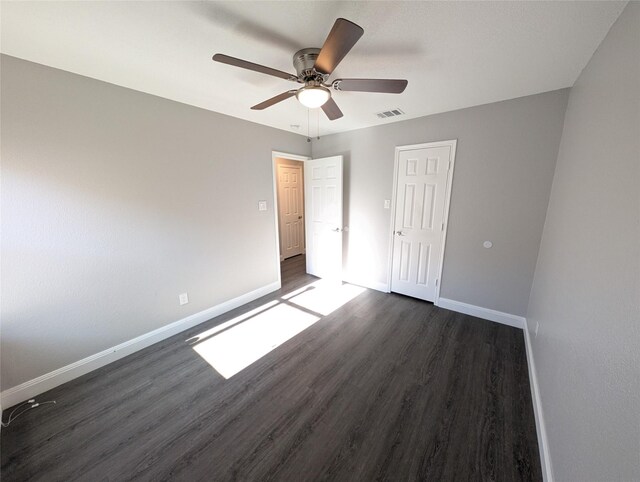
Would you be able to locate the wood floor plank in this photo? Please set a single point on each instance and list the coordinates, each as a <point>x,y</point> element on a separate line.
<point>385,387</point>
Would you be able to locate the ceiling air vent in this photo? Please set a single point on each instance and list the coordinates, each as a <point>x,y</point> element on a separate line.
<point>389,113</point>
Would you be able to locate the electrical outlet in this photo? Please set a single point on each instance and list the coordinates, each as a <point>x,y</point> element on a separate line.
<point>262,205</point>
<point>184,298</point>
<point>536,330</point>
<point>387,203</point>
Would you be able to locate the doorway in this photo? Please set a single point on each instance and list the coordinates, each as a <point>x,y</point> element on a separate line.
<point>319,215</point>
<point>290,196</point>
<point>422,190</point>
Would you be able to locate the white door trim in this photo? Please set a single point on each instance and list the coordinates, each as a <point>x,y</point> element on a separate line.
<point>274,172</point>
<point>447,201</point>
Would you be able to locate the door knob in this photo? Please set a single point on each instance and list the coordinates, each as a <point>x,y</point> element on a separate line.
<point>400,233</point>
<point>337,230</point>
<point>299,217</point>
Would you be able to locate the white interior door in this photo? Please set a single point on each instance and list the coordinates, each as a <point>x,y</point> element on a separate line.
<point>323,208</point>
<point>291,210</point>
<point>421,190</point>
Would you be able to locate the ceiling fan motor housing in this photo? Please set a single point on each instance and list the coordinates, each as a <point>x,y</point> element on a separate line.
<point>303,62</point>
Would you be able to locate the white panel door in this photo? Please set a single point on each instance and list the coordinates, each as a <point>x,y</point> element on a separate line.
<point>323,208</point>
<point>290,207</point>
<point>419,220</point>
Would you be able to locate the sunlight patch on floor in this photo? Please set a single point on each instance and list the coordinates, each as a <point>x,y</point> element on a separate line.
<point>235,344</point>
<point>240,346</point>
<point>326,297</point>
<point>223,326</point>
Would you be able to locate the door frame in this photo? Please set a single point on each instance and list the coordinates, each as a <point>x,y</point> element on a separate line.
<point>447,201</point>
<point>274,171</point>
<point>299,167</point>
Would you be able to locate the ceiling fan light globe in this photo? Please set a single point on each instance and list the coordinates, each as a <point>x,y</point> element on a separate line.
<point>313,96</point>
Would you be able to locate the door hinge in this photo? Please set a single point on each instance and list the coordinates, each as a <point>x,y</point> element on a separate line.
<point>442,227</point>
<point>437,280</point>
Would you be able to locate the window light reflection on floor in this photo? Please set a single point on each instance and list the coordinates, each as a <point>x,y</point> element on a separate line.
<point>235,344</point>
<point>227,324</point>
<point>326,297</point>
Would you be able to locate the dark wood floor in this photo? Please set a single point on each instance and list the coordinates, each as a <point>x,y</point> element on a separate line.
<point>385,388</point>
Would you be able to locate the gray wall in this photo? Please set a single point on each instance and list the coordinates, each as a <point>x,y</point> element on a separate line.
<point>586,292</point>
<point>113,203</point>
<point>504,167</point>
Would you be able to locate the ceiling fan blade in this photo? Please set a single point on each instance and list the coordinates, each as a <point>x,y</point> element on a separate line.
<point>274,100</point>
<point>339,42</point>
<point>225,59</point>
<point>388,86</point>
<point>332,110</point>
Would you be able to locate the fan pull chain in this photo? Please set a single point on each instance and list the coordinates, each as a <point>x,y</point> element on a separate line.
<point>308,125</point>
<point>318,123</point>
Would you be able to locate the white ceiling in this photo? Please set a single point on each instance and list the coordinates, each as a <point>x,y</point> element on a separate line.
<point>454,54</point>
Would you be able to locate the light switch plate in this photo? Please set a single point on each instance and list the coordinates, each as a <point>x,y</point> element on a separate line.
<point>262,205</point>
<point>184,298</point>
<point>387,203</point>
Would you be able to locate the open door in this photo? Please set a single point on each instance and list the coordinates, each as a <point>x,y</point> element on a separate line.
<point>323,208</point>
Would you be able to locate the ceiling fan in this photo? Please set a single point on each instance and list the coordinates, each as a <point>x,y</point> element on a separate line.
<point>314,66</point>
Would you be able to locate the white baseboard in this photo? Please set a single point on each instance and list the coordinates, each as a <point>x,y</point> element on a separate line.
<point>480,312</point>
<point>374,285</point>
<point>50,380</point>
<point>543,444</point>
<point>517,322</point>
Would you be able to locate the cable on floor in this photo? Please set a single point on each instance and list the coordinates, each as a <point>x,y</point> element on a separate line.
<point>31,405</point>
